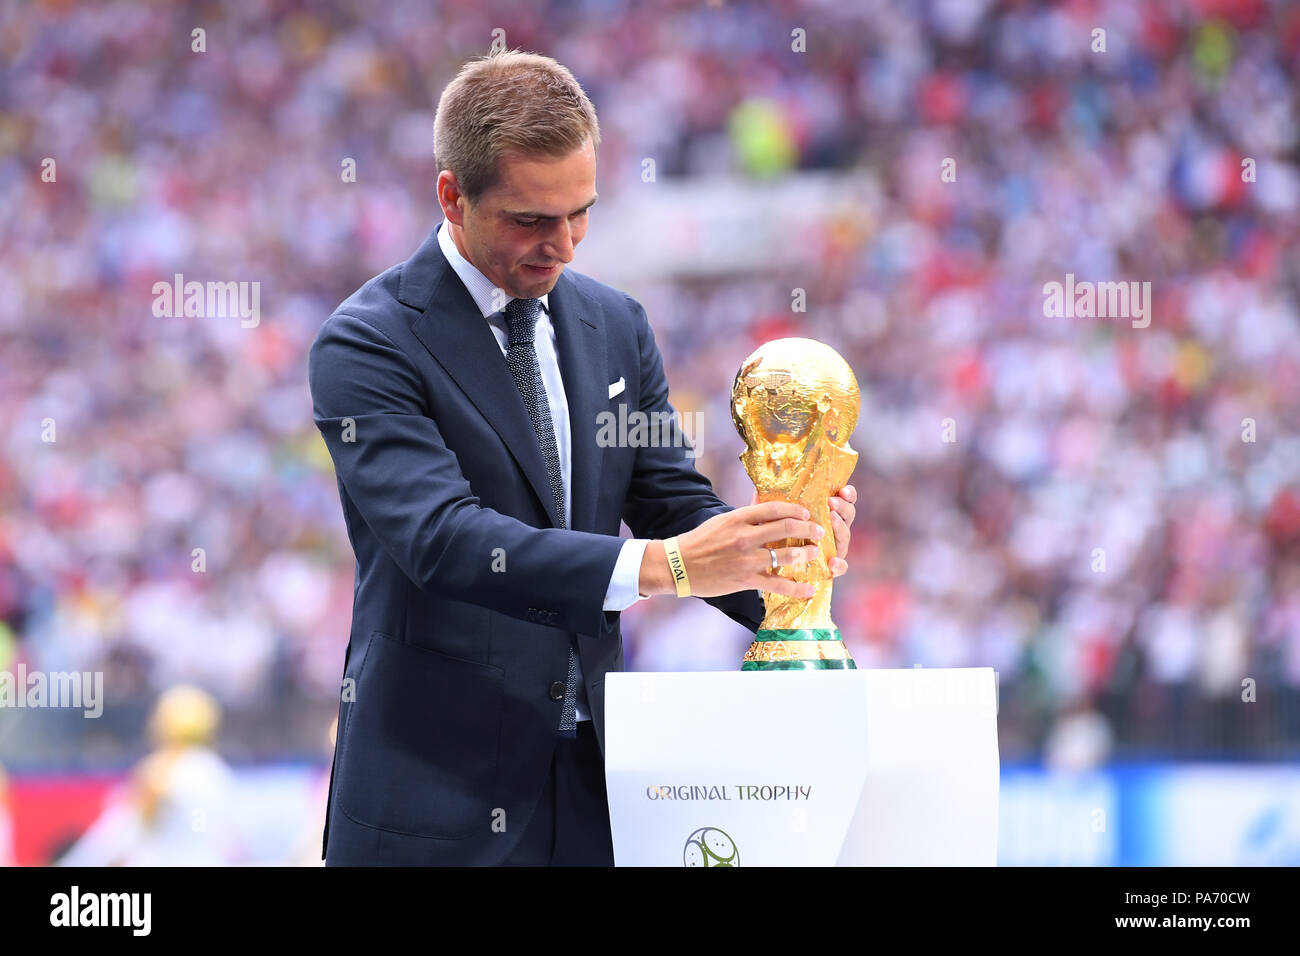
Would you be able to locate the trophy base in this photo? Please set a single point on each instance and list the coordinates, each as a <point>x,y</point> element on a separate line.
<point>798,649</point>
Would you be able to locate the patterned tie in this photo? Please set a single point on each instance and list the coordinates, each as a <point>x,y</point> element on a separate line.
<point>521,356</point>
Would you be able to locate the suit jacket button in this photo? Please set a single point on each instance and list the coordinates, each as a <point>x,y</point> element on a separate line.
<point>557,690</point>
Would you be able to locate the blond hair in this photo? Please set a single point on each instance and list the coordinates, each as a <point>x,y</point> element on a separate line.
<point>508,102</point>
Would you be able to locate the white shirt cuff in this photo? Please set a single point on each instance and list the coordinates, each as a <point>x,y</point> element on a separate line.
<point>625,582</point>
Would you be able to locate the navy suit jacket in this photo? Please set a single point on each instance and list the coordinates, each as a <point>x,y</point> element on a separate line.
<point>468,594</point>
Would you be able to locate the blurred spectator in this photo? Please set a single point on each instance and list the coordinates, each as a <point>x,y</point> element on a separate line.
<point>175,810</point>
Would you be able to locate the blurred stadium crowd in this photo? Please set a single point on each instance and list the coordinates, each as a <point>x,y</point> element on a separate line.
<point>174,434</point>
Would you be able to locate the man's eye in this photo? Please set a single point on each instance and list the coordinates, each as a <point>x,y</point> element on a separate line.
<point>526,222</point>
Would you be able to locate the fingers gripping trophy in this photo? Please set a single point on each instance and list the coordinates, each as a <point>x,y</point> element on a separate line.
<point>795,403</point>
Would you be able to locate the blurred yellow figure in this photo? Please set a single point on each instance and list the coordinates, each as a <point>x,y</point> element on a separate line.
<point>176,810</point>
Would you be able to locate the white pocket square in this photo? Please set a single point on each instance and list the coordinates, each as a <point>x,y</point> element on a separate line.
<point>616,387</point>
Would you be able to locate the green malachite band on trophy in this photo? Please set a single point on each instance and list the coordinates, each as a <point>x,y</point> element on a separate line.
<point>844,665</point>
<point>799,634</point>
<point>786,649</point>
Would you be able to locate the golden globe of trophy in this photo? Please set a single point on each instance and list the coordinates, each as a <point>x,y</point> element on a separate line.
<point>795,403</point>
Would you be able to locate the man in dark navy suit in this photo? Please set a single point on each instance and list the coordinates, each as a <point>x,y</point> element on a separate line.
<point>459,394</point>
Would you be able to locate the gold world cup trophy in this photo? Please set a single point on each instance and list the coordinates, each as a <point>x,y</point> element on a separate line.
<point>795,402</point>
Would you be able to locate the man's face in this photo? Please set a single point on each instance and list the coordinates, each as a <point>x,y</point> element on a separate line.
<point>534,216</point>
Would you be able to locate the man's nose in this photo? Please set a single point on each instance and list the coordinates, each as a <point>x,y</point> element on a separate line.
<point>560,242</point>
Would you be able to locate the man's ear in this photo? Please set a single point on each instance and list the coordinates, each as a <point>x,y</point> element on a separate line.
<point>450,198</point>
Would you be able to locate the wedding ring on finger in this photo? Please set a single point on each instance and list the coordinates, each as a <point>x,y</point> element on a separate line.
<point>775,563</point>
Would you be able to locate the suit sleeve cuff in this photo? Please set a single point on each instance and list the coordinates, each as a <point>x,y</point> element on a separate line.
<point>624,583</point>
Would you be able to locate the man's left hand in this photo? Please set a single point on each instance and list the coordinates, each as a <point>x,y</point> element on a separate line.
<point>842,513</point>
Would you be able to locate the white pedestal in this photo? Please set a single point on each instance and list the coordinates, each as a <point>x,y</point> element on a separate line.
<point>803,768</point>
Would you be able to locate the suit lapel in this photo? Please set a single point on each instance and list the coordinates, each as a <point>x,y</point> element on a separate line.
<point>454,332</point>
<point>456,335</point>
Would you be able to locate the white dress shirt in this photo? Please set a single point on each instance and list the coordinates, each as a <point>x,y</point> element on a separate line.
<point>624,584</point>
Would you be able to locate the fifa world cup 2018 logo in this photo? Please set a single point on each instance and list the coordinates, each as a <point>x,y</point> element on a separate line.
<point>709,846</point>
<point>795,402</point>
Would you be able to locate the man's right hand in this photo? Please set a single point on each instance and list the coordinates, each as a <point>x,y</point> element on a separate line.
<point>727,553</point>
